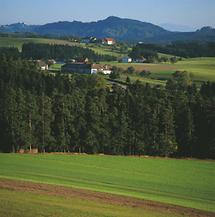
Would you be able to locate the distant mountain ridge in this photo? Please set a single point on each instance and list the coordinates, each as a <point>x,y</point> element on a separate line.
<point>17,27</point>
<point>177,27</point>
<point>121,29</point>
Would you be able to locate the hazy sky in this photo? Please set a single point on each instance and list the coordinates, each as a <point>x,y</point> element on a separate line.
<point>193,13</point>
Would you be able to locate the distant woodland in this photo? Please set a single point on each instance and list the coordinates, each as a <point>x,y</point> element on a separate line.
<point>59,52</point>
<point>79,113</point>
<point>180,48</point>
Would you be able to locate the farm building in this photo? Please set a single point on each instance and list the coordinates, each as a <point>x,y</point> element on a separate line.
<point>42,65</point>
<point>125,60</point>
<point>82,68</point>
<point>85,68</point>
<point>105,69</point>
<point>108,41</point>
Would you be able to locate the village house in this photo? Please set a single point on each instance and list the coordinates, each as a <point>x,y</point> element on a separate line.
<point>108,41</point>
<point>105,69</point>
<point>42,65</point>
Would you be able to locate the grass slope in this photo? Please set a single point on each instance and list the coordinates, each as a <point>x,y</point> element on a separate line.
<point>203,69</point>
<point>188,183</point>
<point>28,204</point>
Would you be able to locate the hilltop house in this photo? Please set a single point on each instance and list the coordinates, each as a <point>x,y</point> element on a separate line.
<point>108,41</point>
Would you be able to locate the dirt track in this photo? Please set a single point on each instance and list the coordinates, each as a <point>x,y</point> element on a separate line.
<point>101,197</point>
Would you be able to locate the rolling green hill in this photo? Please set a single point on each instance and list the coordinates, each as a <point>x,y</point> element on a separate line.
<point>22,203</point>
<point>188,183</point>
<point>202,69</point>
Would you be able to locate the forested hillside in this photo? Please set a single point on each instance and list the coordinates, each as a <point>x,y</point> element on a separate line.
<point>62,52</point>
<point>32,51</point>
<point>79,114</point>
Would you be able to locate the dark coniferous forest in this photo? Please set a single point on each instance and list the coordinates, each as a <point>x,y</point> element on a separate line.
<point>179,48</point>
<point>32,51</point>
<point>78,113</point>
<point>61,52</point>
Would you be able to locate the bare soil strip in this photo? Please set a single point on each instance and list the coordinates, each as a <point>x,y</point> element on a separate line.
<point>67,192</point>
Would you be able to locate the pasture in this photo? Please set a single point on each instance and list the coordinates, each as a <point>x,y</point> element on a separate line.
<point>16,203</point>
<point>187,183</point>
<point>202,69</point>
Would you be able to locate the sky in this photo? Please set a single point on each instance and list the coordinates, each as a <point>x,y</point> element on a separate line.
<point>188,13</point>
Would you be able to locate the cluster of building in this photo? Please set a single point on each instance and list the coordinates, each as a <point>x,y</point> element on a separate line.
<point>83,66</point>
<point>86,68</point>
<point>44,65</point>
<point>104,41</point>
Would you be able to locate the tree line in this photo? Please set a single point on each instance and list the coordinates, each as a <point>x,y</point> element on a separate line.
<point>59,52</point>
<point>79,113</point>
<point>179,48</point>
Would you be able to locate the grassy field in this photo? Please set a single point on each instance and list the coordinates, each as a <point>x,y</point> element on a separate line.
<point>203,69</point>
<point>104,50</point>
<point>27,204</point>
<point>188,183</point>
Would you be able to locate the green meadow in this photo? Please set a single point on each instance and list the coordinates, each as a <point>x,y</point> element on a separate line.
<point>188,183</point>
<point>26,204</point>
<point>202,69</point>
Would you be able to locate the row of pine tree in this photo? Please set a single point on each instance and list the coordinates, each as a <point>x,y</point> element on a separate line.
<point>78,113</point>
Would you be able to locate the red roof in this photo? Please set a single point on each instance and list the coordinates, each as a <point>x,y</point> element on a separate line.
<point>109,39</point>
